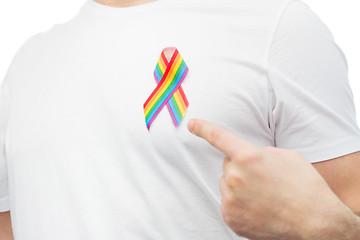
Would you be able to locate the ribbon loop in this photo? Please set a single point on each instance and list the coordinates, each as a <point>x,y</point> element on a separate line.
<point>169,73</point>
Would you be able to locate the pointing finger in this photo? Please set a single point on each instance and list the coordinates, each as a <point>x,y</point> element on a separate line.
<point>219,137</point>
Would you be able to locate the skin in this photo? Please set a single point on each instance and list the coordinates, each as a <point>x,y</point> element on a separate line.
<point>123,3</point>
<point>343,176</point>
<point>5,226</point>
<point>273,193</point>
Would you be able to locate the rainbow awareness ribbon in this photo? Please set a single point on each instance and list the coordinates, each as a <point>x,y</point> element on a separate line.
<point>169,73</point>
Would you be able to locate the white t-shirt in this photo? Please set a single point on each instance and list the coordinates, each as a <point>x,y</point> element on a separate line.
<point>76,158</point>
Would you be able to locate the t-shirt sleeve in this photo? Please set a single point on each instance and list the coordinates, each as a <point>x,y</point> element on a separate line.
<point>4,116</point>
<point>5,109</point>
<point>311,103</point>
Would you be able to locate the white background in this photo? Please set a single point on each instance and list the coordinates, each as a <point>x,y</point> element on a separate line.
<point>22,18</point>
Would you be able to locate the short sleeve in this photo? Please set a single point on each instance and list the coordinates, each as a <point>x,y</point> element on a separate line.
<point>4,116</point>
<point>311,105</point>
<point>5,109</point>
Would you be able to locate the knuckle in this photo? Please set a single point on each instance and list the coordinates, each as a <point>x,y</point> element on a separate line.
<point>229,216</point>
<point>222,184</point>
<point>214,137</point>
<point>228,201</point>
<point>228,219</point>
<point>234,179</point>
<point>223,207</point>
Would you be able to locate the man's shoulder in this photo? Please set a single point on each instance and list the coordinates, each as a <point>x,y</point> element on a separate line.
<point>50,38</point>
<point>42,43</point>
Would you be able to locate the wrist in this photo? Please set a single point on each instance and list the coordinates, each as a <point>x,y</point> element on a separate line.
<point>335,222</point>
<point>354,227</point>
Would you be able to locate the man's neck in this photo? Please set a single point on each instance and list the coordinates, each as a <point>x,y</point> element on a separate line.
<point>123,3</point>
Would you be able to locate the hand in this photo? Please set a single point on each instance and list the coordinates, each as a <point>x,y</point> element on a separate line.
<point>272,193</point>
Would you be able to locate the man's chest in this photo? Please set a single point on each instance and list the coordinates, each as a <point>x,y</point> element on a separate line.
<point>104,81</point>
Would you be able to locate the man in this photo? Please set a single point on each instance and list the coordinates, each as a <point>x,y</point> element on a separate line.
<point>265,84</point>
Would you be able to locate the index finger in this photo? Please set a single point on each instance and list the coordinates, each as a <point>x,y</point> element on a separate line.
<point>219,137</point>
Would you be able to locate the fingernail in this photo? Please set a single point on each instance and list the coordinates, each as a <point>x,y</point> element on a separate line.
<point>190,124</point>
